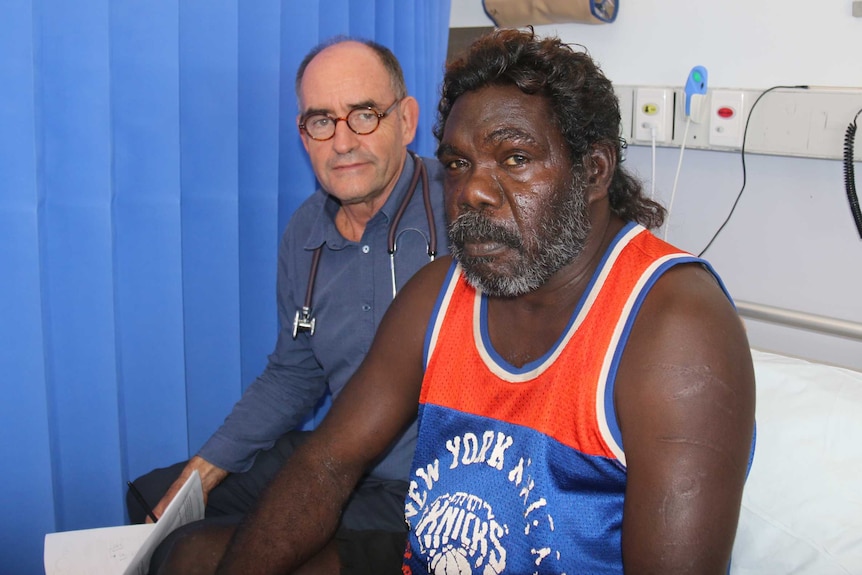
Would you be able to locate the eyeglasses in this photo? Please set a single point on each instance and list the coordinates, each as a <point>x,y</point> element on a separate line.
<point>362,121</point>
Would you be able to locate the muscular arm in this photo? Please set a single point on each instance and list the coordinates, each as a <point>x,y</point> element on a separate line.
<point>299,511</point>
<point>685,403</point>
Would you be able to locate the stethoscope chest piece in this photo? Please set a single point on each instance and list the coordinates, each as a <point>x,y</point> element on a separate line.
<point>303,321</point>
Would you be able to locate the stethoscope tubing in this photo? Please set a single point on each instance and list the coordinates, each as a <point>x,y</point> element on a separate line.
<point>303,320</point>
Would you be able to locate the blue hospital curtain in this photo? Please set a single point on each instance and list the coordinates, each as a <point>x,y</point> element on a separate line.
<point>149,161</point>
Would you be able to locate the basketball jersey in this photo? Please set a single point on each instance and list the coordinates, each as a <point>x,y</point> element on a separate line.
<point>522,469</point>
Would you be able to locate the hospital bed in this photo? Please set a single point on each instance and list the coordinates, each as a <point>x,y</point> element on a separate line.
<point>802,504</point>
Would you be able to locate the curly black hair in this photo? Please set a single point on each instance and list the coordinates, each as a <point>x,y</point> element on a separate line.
<point>583,101</point>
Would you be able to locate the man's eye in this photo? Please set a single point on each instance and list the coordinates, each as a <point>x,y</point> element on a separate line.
<point>318,121</point>
<point>454,164</point>
<point>368,116</point>
<point>515,160</point>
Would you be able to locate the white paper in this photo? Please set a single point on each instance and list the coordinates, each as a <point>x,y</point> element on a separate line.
<point>108,550</point>
<point>123,550</point>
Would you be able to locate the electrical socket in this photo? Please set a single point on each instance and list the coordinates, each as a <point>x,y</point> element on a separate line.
<point>653,111</point>
<point>726,118</point>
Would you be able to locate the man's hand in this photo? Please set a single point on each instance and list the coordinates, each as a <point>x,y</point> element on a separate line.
<point>211,476</point>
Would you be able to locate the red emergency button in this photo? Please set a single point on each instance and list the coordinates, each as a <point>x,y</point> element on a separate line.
<point>726,112</point>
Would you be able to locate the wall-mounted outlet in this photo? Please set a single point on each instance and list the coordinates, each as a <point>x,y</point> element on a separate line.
<point>726,118</point>
<point>801,121</point>
<point>653,115</point>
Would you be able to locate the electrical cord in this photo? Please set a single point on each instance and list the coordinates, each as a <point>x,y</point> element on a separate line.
<point>676,179</point>
<point>850,176</point>
<point>742,155</point>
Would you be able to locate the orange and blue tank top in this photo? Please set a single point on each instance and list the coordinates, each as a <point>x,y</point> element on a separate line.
<point>522,469</point>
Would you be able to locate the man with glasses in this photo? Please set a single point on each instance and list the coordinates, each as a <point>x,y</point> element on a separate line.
<point>334,285</point>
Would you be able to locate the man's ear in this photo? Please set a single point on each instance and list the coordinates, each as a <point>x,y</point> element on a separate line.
<point>302,135</point>
<point>600,165</point>
<point>408,111</point>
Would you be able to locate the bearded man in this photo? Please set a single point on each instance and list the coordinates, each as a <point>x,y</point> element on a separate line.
<point>585,390</point>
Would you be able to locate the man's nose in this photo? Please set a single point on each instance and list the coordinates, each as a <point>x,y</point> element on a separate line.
<point>344,139</point>
<point>479,188</point>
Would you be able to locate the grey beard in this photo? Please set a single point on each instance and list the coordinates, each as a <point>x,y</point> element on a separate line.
<point>558,239</point>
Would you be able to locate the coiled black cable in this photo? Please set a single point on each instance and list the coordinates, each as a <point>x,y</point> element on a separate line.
<point>850,176</point>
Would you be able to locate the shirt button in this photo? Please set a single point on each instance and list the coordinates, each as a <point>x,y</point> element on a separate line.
<point>366,249</point>
<point>366,307</point>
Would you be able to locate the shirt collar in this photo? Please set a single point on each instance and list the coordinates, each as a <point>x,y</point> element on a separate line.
<point>324,231</point>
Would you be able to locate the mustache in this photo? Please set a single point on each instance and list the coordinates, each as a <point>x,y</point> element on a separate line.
<point>475,227</point>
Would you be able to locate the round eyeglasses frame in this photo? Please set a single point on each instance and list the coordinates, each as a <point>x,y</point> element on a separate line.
<point>351,119</point>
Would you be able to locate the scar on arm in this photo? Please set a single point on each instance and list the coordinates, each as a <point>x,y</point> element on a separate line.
<point>701,444</point>
<point>683,489</point>
<point>698,379</point>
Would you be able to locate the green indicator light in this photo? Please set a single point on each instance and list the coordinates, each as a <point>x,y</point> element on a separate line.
<point>697,77</point>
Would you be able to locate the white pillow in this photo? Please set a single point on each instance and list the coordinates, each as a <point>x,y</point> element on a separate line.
<point>802,504</point>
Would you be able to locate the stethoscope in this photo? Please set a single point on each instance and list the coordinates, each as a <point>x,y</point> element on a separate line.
<point>303,320</point>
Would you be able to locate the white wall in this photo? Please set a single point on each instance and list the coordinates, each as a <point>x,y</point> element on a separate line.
<point>791,242</point>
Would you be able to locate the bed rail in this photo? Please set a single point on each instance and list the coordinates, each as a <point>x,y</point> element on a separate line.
<point>798,319</point>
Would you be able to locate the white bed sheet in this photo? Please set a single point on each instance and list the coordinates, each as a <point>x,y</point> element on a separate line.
<point>802,504</point>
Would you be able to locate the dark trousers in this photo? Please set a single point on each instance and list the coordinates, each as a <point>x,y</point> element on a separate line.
<point>372,534</point>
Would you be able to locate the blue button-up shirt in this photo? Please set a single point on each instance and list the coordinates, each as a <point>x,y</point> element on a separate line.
<point>352,291</point>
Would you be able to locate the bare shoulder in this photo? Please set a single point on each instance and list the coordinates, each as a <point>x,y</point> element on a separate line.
<point>687,331</point>
<point>689,297</point>
<point>418,296</point>
<point>431,275</point>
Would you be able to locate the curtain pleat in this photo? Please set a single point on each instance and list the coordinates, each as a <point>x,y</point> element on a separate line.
<point>148,271</point>
<point>149,161</point>
<point>25,442</point>
<point>74,150</point>
<point>208,126</point>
